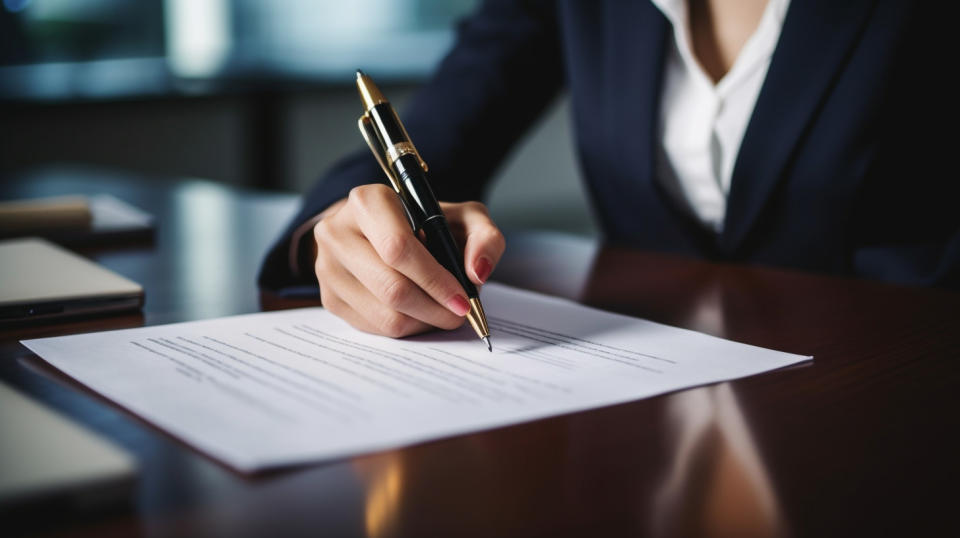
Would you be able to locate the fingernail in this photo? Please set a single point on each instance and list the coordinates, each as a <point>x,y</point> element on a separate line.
<point>458,305</point>
<point>482,269</point>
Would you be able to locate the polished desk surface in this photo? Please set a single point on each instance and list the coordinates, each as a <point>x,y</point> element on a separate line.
<point>863,441</point>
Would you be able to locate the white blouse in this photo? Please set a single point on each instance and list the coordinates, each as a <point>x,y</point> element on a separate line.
<point>701,124</point>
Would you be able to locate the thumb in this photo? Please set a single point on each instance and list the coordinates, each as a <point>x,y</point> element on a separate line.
<point>483,242</point>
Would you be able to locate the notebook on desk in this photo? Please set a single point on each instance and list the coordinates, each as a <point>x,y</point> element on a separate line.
<point>39,280</point>
<point>100,219</point>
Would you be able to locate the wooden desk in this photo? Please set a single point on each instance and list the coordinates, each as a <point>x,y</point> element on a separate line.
<point>861,442</point>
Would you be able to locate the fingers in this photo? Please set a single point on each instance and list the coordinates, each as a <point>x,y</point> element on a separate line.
<point>381,220</point>
<point>378,321</point>
<point>378,286</point>
<point>483,242</point>
<point>357,284</point>
<point>375,274</point>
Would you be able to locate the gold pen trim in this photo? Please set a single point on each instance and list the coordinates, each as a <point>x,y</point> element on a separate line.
<point>477,317</point>
<point>400,149</point>
<point>413,148</point>
<point>369,92</point>
<point>371,96</point>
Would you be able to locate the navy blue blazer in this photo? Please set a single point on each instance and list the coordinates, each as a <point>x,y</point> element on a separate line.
<point>840,170</point>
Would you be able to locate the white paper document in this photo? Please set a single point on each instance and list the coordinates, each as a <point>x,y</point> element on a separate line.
<point>296,386</point>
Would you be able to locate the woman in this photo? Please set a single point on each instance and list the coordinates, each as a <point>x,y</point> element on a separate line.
<point>790,133</point>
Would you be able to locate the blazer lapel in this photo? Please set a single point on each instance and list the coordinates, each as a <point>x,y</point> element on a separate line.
<point>634,66</point>
<point>814,44</point>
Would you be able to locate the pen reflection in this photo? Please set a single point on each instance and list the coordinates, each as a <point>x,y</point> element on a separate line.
<point>716,483</point>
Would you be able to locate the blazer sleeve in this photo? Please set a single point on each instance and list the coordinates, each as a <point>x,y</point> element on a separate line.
<point>907,224</point>
<point>504,69</point>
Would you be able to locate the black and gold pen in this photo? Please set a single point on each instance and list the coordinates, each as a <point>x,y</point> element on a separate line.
<point>391,145</point>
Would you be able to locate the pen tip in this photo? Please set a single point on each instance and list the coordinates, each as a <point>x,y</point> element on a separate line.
<point>360,73</point>
<point>487,340</point>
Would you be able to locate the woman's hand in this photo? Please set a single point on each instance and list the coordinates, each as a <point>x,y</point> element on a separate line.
<point>375,274</point>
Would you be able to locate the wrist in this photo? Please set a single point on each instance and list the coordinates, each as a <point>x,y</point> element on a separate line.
<point>303,247</point>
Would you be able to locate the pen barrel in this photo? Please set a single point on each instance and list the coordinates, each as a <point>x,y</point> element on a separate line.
<point>441,244</point>
<point>425,212</point>
<point>419,202</point>
<point>419,198</point>
<point>389,129</point>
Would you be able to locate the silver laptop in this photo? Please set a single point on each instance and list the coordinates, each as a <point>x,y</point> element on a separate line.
<point>40,280</point>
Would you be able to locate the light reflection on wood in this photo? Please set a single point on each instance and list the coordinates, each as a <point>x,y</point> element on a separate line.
<point>384,479</point>
<point>716,484</point>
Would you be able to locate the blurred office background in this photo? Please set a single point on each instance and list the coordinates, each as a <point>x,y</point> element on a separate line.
<point>257,93</point>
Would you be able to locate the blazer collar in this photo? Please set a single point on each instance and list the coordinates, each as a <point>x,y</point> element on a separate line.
<point>814,45</point>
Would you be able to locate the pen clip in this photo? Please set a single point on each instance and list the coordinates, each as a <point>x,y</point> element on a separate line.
<point>370,135</point>
<point>366,129</point>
